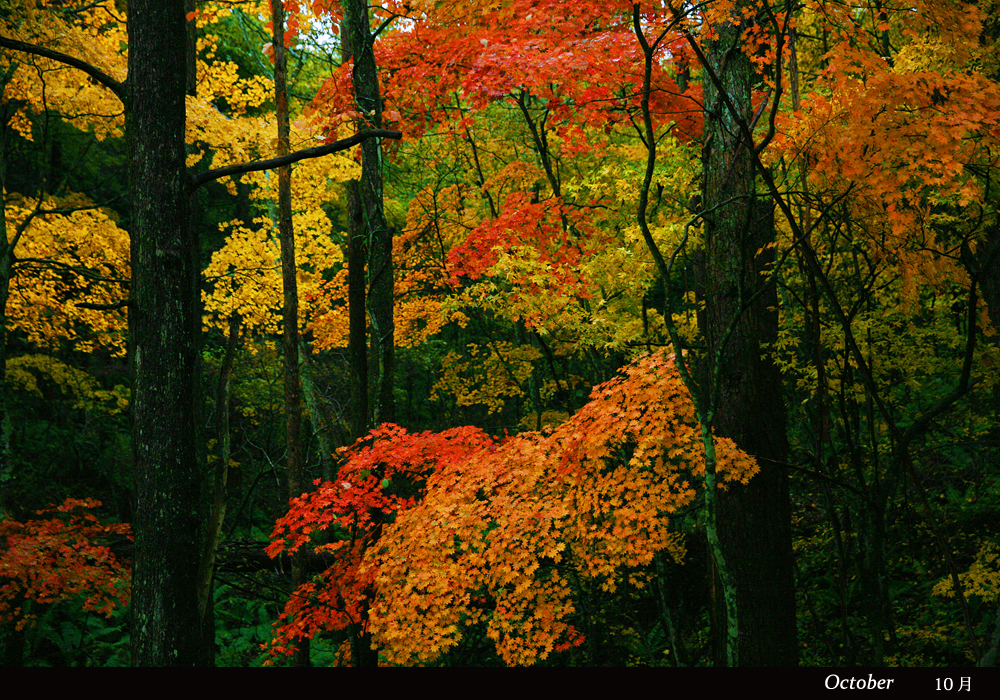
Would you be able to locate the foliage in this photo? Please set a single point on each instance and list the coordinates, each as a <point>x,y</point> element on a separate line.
<point>487,376</point>
<point>502,527</point>
<point>95,34</point>
<point>982,579</point>
<point>522,280</point>
<point>59,558</point>
<point>78,255</point>
<point>24,372</point>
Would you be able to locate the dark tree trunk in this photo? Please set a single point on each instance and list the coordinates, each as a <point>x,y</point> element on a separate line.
<point>165,324</point>
<point>218,479</point>
<point>377,234</point>
<point>290,307</point>
<point>985,264</point>
<point>754,520</point>
<point>360,419</point>
<point>358,315</point>
<point>371,242</point>
<point>6,275</point>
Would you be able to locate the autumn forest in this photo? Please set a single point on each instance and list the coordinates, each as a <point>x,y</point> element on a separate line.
<point>499,332</point>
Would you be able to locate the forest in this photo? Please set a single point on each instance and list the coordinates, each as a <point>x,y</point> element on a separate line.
<point>500,332</point>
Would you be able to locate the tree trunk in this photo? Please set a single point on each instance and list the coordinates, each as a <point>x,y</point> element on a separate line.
<point>6,274</point>
<point>371,241</point>
<point>358,315</point>
<point>753,520</point>
<point>329,428</point>
<point>290,307</point>
<point>985,265</point>
<point>218,479</point>
<point>378,235</point>
<point>356,289</point>
<point>165,325</point>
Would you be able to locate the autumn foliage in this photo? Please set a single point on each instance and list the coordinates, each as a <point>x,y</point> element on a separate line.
<point>59,557</point>
<point>522,278</point>
<point>440,531</point>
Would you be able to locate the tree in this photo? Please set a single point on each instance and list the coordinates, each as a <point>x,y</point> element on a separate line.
<point>537,242</point>
<point>445,531</point>
<point>289,284</point>
<point>55,244</point>
<point>165,326</point>
<point>47,560</point>
<point>891,190</point>
<point>544,242</point>
<point>543,99</point>
<point>741,318</point>
<point>377,236</point>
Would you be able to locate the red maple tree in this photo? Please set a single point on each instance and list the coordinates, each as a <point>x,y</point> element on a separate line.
<point>57,557</point>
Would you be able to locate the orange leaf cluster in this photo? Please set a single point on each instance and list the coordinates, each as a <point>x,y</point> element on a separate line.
<point>384,475</point>
<point>903,137</point>
<point>503,528</point>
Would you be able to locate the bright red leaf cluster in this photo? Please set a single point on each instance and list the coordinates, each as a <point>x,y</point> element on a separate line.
<point>580,59</point>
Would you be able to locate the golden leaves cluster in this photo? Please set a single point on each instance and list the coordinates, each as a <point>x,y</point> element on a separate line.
<point>31,373</point>
<point>80,255</point>
<point>245,273</point>
<point>96,36</point>
<point>981,580</point>
<point>485,374</point>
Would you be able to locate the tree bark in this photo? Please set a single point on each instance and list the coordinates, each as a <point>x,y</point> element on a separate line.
<point>290,306</point>
<point>754,520</point>
<point>357,314</point>
<point>165,325</point>
<point>330,429</point>
<point>377,234</point>
<point>218,480</point>
<point>6,275</point>
<point>371,242</point>
<point>357,344</point>
<point>984,264</point>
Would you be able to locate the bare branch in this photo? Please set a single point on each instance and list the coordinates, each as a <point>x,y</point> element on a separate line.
<point>104,307</point>
<point>271,163</point>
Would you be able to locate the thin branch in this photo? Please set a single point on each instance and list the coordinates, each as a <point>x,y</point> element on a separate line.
<point>386,23</point>
<point>104,307</point>
<point>77,269</point>
<point>200,179</point>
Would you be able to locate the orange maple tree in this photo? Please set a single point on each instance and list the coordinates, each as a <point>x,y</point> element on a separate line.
<point>434,532</point>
